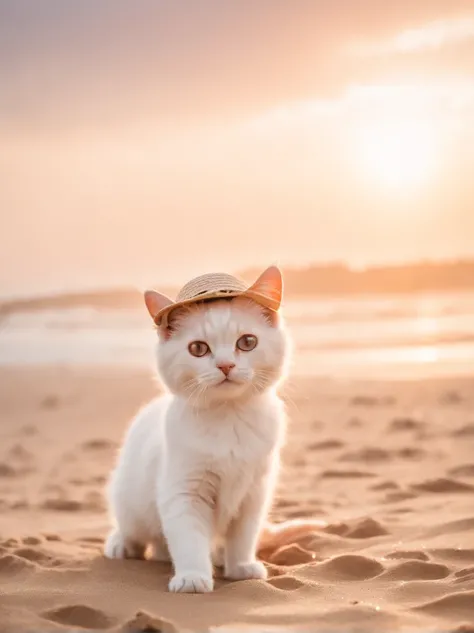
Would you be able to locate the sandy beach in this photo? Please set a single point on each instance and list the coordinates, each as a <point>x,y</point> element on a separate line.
<point>388,466</point>
<point>146,145</point>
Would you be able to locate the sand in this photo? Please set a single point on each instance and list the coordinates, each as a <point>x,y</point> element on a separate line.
<point>388,466</point>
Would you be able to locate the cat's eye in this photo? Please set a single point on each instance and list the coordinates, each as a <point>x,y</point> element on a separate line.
<point>198,348</point>
<point>247,342</point>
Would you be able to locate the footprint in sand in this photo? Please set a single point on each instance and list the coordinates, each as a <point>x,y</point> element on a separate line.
<point>354,422</point>
<point>369,454</point>
<point>79,615</point>
<point>32,540</point>
<point>450,527</point>
<point>7,470</point>
<point>80,481</point>
<point>98,444</point>
<point>326,445</point>
<point>346,474</point>
<point>10,565</point>
<point>405,424</point>
<point>146,623</point>
<point>36,556</point>
<point>62,505</point>
<point>464,575</point>
<point>92,502</point>
<point>50,402</point>
<point>19,504</point>
<point>455,554</point>
<point>442,485</point>
<point>77,481</point>
<point>450,397</point>
<point>398,495</point>
<point>464,431</point>
<point>408,555</point>
<point>463,628</point>
<point>367,528</point>
<point>338,529</point>
<point>460,604</point>
<point>372,401</point>
<point>417,570</point>
<point>292,555</point>
<point>385,485</point>
<point>18,462</point>
<point>284,503</point>
<point>465,470</point>
<point>409,452</point>
<point>18,454</point>
<point>96,540</point>
<point>347,567</point>
<point>28,430</point>
<point>286,583</point>
<point>10,542</point>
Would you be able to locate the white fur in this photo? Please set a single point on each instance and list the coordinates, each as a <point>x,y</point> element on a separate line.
<point>197,469</point>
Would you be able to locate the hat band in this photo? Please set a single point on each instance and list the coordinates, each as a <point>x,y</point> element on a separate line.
<point>221,291</point>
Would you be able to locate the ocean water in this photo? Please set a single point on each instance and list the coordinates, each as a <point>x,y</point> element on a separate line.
<point>368,337</point>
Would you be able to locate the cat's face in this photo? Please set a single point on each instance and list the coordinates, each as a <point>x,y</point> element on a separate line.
<point>222,350</point>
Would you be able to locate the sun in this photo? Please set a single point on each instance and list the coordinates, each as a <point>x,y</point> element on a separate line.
<point>397,155</point>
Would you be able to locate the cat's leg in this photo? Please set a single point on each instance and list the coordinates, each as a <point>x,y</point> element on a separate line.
<point>127,539</point>
<point>187,524</point>
<point>117,545</point>
<point>159,550</point>
<point>242,538</point>
<point>218,556</point>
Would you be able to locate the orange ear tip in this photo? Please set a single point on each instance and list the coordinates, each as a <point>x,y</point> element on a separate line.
<point>276,271</point>
<point>273,268</point>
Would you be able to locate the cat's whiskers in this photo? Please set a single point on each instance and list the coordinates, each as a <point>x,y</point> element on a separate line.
<point>263,377</point>
<point>289,385</point>
<point>195,389</point>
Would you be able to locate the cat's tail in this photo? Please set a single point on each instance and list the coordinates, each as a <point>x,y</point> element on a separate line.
<point>276,535</point>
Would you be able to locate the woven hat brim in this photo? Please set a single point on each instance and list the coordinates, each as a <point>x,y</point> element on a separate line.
<point>267,302</point>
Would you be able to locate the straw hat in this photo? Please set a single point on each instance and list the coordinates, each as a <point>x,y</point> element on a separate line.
<point>266,291</point>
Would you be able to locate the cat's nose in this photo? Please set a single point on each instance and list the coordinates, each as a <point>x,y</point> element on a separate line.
<point>225,368</point>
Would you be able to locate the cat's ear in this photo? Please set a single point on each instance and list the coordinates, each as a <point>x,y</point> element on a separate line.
<point>155,302</point>
<point>270,284</point>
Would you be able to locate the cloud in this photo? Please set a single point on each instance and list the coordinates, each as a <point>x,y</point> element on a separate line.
<point>432,35</point>
<point>102,65</point>
<point>435,34</point>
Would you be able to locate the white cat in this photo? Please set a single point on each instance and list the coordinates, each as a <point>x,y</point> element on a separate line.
<point>196,473</point>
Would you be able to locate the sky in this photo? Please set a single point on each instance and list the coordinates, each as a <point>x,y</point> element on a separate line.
<point>146,142</point>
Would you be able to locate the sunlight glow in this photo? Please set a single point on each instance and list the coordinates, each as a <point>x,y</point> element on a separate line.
<point>427,325</point>
<point>397,154</point>
<point>426,354</point>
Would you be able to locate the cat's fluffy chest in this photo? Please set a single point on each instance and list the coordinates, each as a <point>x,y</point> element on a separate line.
<point>222,453</point>
<point>226,436</point>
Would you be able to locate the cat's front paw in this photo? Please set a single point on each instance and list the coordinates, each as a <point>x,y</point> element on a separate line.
<point>191,582</point>
<point>247,571</point>
<point>116,546</point>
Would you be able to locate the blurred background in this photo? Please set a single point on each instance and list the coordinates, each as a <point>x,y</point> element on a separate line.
<point>146,142</point>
